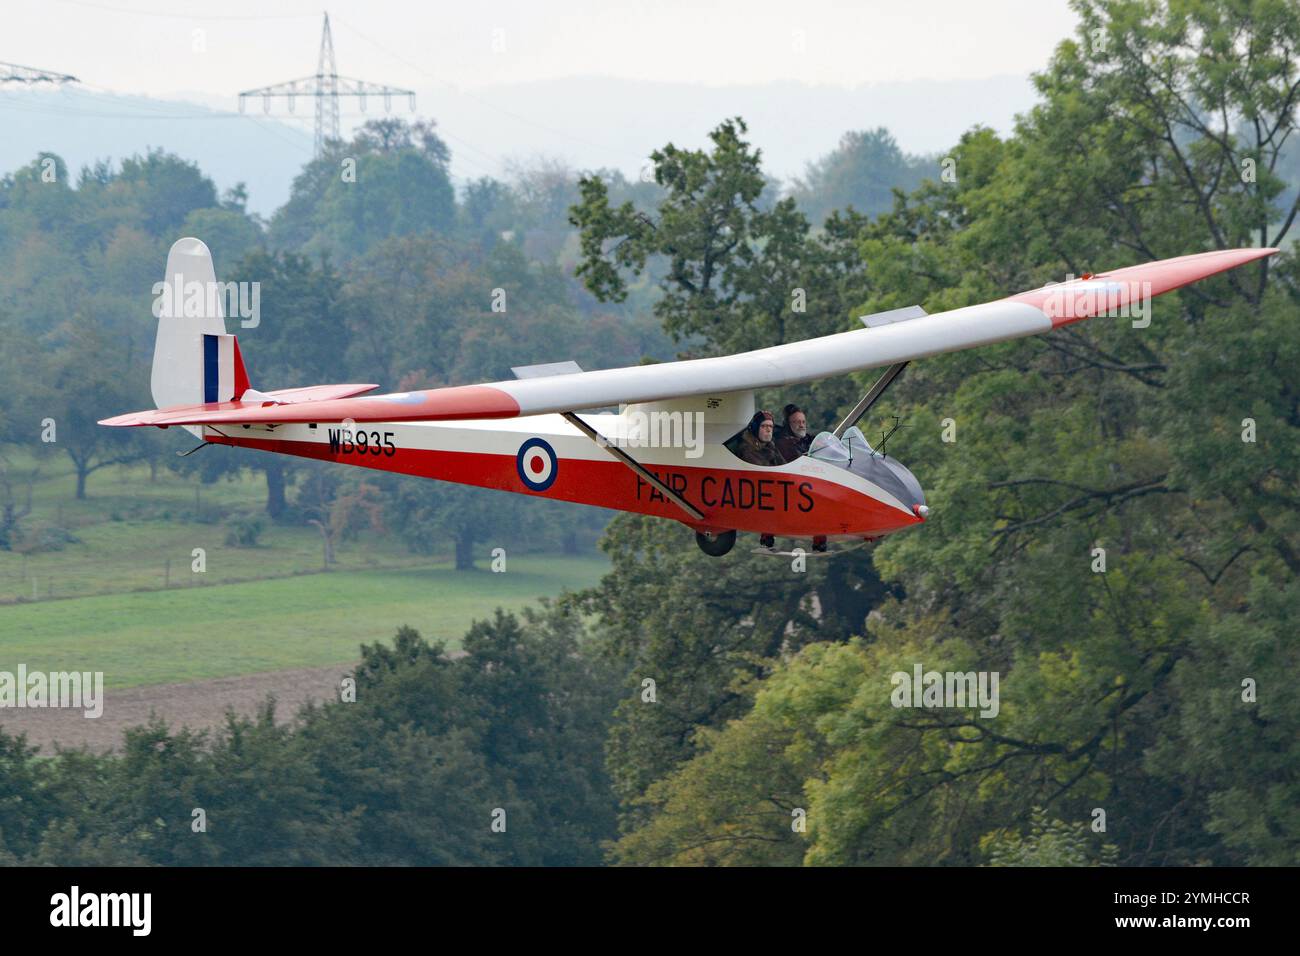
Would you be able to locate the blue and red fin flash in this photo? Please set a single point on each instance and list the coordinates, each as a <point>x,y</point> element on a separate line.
<point>224,376</point>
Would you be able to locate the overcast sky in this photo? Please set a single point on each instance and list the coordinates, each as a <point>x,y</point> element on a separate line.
<point>151,46</point>
<point>589,83</point>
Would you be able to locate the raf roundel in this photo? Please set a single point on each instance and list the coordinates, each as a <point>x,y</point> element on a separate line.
<point>537,464</point>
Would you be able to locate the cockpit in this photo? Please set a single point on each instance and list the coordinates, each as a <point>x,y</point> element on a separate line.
<point>853,452</point>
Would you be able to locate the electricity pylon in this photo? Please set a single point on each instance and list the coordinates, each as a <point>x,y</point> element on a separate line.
<point>326,86</point>
<point>13,73</point>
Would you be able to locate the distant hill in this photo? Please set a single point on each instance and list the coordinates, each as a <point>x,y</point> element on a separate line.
<point>585,121</point>
<point>600,121</point>
<point>82,126</point>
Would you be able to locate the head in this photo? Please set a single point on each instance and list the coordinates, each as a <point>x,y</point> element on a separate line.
<point>760,426</point>
<point>796,422</point>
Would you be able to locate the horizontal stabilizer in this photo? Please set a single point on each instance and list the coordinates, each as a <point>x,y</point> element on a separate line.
<point>202,413</point>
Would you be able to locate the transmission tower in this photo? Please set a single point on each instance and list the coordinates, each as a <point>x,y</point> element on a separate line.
<point>13,73</point>
<point>326,86</point>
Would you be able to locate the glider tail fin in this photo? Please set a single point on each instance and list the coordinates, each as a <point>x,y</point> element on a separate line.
<point>194,360</point>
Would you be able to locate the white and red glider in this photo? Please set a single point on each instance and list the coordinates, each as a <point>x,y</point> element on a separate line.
<point>526,435</point>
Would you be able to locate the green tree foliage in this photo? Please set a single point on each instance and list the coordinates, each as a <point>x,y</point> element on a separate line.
<point>863,173</point>
<point>299,338</point>
<point>81,374</point>
<point>409,773</point>
<point>430,517</point>
<point>1121,689</point>
<point>163,190</point>
<point>702,631</point>
<point>1048,843</point>
<point>77,290</point>
<point>391,180</point>
<point>734,273</point>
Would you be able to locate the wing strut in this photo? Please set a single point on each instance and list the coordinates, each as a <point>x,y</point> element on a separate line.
<point>870,398</point>
<point>635,465</point>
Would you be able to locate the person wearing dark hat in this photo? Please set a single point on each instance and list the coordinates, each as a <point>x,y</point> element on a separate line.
<point>756,445</point>
<point>792,438</point>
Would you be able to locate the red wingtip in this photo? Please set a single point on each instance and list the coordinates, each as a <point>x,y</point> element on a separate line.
<point>1095,294</point>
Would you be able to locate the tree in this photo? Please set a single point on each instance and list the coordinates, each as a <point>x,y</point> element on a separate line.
<point>341,515</point>
<point>15,500</point>
<point>431,514</point>
<point>1048,843</point>
<point>162,189</point>
<point>392,179</point>
<point>1106,524</point>
<point>86,377</point>
<point>708,227</point>
<point>724,627</point>
<point>737,273</point>
<point>299,339</point>
<point>863,173</point>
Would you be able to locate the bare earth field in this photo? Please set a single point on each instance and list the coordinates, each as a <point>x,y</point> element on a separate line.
<point>196,704</point>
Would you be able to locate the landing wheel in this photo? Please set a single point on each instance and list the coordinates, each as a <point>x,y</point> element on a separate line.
<point>715,545</point>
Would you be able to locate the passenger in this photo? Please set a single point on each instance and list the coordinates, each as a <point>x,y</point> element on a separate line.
<point>792,439</point>
<point>756,445</point>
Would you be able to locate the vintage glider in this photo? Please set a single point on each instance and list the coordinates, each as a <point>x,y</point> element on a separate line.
<point>527,435</point>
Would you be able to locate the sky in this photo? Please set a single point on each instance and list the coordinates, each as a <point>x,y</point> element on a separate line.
<point>161,48</point>
<point>510,83</point>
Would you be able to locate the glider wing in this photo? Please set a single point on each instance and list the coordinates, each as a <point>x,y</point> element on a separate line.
<point>919,336</point>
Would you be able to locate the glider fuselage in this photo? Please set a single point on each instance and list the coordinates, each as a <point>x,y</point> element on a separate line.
<point>545,456</point>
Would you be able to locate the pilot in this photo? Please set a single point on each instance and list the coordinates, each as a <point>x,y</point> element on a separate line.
<point>792,438</point>
<point>756,445</point>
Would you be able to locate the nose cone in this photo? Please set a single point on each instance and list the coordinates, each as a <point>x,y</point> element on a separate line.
<point>921,511</point>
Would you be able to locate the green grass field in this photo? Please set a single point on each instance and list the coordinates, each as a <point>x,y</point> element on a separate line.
<point>304,621</point>
<point>122,597</point>
<point>134,534</point>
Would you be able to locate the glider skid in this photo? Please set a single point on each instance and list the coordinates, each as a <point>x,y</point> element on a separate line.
<point>798,552</point>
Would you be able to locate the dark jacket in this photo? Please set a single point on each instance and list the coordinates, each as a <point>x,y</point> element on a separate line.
<point>759,453</point>
<point>790,445</point>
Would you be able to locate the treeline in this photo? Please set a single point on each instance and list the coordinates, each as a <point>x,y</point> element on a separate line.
<point>1116,509</point>
<point>490,758</point>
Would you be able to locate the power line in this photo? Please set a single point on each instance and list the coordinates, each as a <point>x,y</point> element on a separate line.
<point>326,87</point>
<point>478,99</point>
<point>172,15</point>
<point>28,75</point>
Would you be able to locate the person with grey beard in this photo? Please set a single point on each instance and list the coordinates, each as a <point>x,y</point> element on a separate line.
<point>792,438</point>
